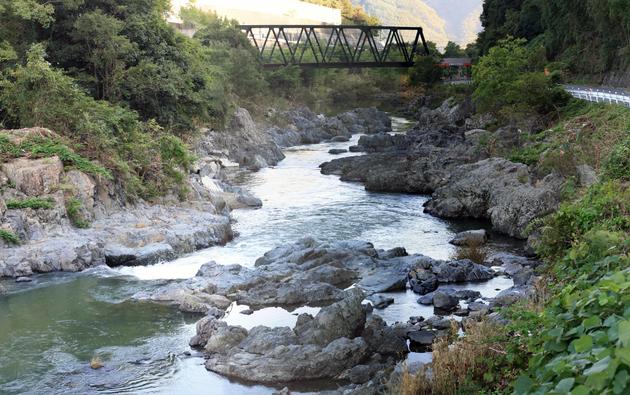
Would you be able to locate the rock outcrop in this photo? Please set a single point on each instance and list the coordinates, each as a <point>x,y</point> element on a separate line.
<point>498,190</point>
<point>336,343</point>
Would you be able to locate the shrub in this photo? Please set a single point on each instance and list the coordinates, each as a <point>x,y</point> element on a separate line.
<point>37,94</point>
<point>426,71</point>
<point>476,362</point>
<point>510,79</point>
<point>73,208</point>
<point>9,237</point>
<point>473,252</point>
<point>605,206</point>
<point>588,348</point>
<point>617,166</point>
<point>34,203</point>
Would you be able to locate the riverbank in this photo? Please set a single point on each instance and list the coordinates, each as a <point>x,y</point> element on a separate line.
<point>328,209</point>
<point>55,217</point>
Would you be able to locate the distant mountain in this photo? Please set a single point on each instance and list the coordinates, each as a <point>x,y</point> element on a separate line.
<point>442,20</point>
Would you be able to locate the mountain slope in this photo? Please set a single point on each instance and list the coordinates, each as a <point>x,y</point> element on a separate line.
<point>442,20</point>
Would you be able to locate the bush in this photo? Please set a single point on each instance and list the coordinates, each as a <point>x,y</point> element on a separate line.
<point>426,71</point>
<point>37,94</point>
<point>34,203</point>
<point>617,166</point>
<point>9,237</point>
<point>73,208</point>
<point>474,252</point>
<point>605,206</point>
<point>510,79</point>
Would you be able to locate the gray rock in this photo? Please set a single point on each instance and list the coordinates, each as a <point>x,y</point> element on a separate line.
<point>422,340</point>
<point>117,255</point>
<point>426,277</point>
<point>345,318</point>
<point>337,151</point>
<point>478,306</point>
<point>470,238</point>
<point>23,280</point>
<point>444,302</point>
<point>340,139</point>
<point>427,299</point>
<point>499,190</point>
<point>225,338</point>
<point>522,276</point>
<point>380,301</point>
<point>586,175</point>
<point>34,177</point>
<point>512,295</point>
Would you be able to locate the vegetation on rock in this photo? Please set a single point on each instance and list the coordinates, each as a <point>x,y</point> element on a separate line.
<point>34,203</point>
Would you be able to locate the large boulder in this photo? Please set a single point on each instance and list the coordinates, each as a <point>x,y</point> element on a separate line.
<point>444,301</point>
<point>243,142</point>
<point>499,190</point>
<point>345,318</point>
<point>426,276</point>
<point>34,177</point>
<point>470,238</point>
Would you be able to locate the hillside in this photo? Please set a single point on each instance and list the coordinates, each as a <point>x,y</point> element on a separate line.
<point>591,39</point>
<point>442,20</point>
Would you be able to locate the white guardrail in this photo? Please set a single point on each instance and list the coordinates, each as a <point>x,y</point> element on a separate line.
<point>600,95</point>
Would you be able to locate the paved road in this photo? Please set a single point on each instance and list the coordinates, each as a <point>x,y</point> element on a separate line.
<point>600,94</point>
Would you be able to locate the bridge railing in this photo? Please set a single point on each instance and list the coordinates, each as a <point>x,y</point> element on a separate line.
<point>600,94</point>
<point>336,46</point>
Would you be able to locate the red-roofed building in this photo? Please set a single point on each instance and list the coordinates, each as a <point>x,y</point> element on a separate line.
<point>457,68</point>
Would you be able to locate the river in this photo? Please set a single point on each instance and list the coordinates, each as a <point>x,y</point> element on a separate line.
<point>51,328</point>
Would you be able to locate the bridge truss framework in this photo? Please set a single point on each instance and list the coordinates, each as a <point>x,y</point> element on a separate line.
<point>345,46</point>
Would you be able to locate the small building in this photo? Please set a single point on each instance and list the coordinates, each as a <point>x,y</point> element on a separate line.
<point>260,12</point>
<point>457,68</point>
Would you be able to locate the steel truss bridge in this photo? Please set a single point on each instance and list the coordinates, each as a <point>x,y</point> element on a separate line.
<point>316,46</point>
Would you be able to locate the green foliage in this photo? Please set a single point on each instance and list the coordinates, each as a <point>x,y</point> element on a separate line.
<point>9,237</point>
<point>509,79</point>
<point>583,346</point>
<point>605,206</point>
<point>125,54</point>
<point>73,208</point>
<point>453,50</point>
<point>590,36</point>
<point>34,203</point>
<point>618,164</point>
<point>426,71</point>
<point>37,94</point>
<point>588,349</point>
<point>285,80</point>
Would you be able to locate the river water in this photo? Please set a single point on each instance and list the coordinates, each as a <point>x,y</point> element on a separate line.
<point>51,328</point>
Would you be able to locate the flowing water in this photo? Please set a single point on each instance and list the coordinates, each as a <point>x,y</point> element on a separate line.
<point>52,328</point>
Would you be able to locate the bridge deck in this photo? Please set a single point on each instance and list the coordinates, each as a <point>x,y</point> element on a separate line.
<point>344,46</point>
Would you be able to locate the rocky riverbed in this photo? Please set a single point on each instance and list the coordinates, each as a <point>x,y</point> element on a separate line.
<point>272,308</point>
<point>445,154</point>
<point>121,233</point>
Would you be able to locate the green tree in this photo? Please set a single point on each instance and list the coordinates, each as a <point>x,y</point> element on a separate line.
<point>510,79</point>
<point>453,50</point>
<point>426,71</point>
<point>106,51</point>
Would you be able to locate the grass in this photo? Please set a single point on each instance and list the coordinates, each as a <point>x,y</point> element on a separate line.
<point>473,252</point>
<point>33,203</point>
<point>9,236</point>
<point>480,353</point>
<point>73,208</point>
<point>45,147</point>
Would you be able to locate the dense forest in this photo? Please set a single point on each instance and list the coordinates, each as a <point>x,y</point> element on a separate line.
<point>589,36</point>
